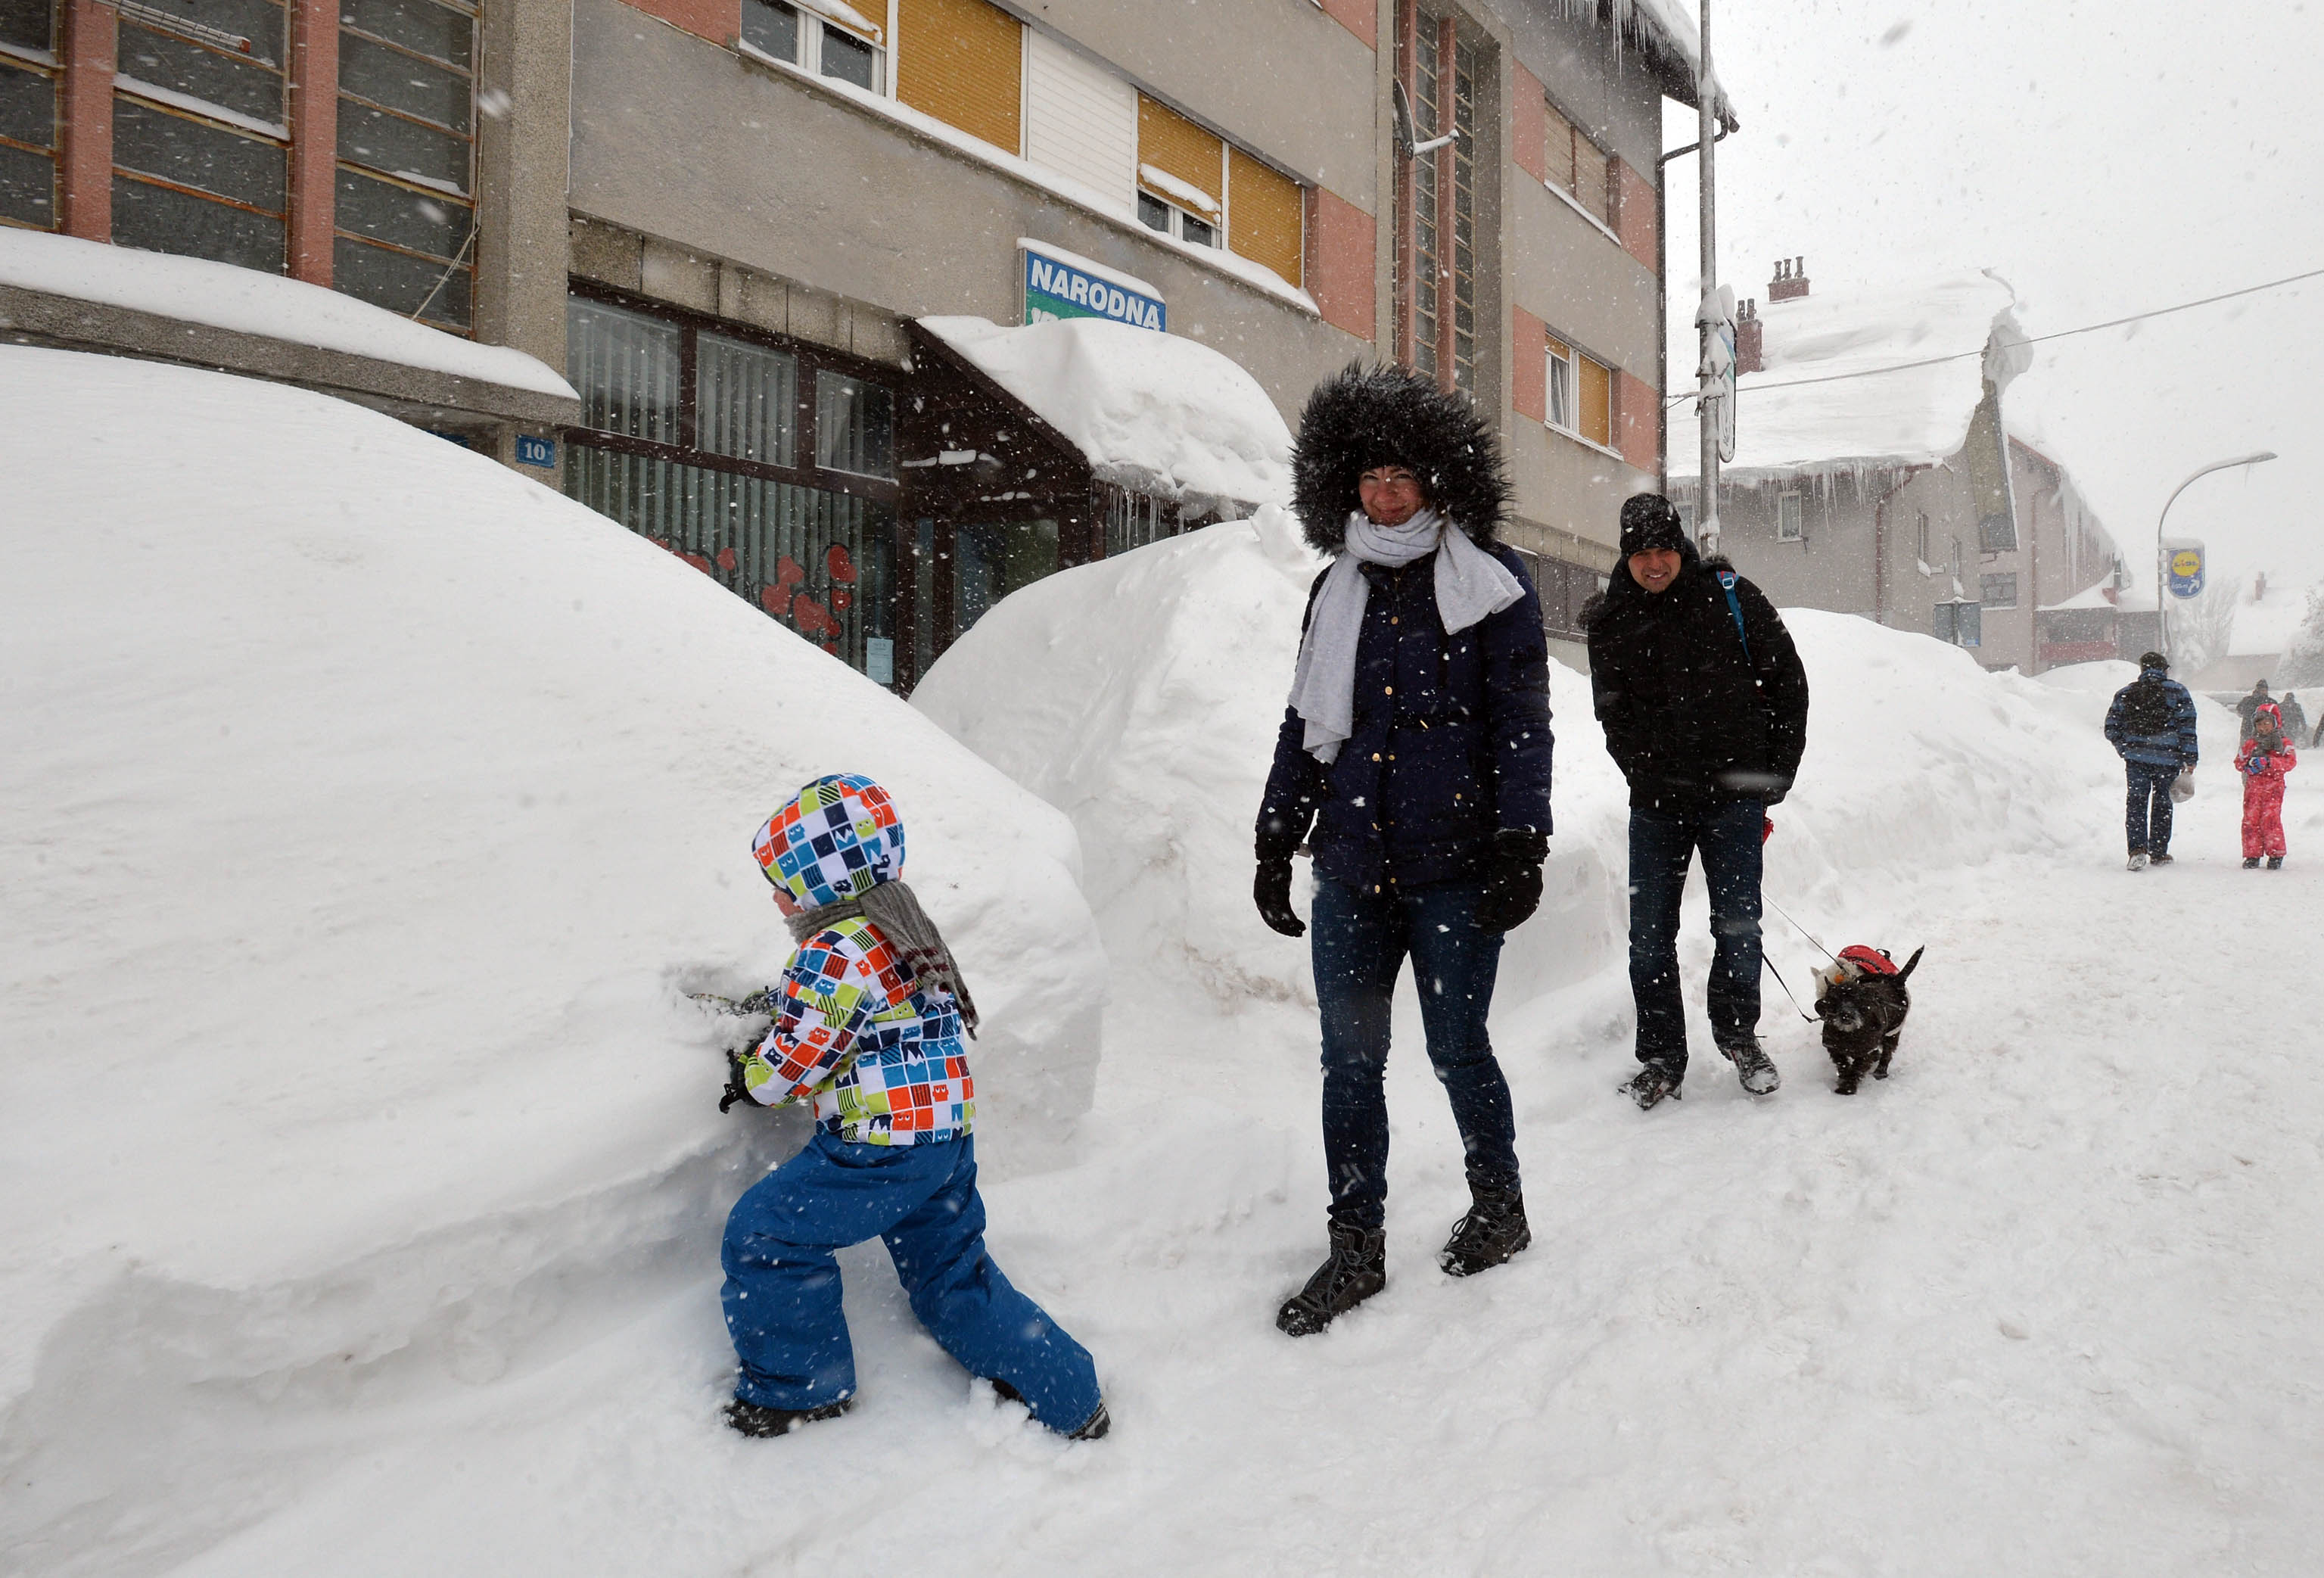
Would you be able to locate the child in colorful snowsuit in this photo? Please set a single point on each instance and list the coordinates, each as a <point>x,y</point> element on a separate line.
<point>2263,760</point>
<point>869,1020</point>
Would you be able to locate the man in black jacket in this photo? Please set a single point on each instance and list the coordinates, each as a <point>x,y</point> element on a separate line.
<point>1414,761</point>
<point>1705,707</point>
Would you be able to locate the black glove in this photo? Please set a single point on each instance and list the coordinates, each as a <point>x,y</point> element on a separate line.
<point>737,1088</point>
<point>1512,880</point>
<point>1271,891</point>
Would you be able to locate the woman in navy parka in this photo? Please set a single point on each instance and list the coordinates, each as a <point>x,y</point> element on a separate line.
<point>1414,760</point>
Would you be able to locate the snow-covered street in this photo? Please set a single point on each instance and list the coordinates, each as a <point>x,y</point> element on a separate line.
<point>368,1209</point>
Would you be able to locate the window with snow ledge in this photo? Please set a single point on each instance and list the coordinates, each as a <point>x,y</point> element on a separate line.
<point>839,42</point>
<point>405,213</point>
<point>1790,526</point>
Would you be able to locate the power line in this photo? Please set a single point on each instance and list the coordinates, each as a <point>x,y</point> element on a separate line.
<point>2033,340</point>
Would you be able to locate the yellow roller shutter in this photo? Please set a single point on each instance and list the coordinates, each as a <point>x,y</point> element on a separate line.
<point>1590,178</point>
<point>1597,402</point>
<point>1557,144</point>
<point>1178,148</point>
<point>963,61</point>
<point>1267,215</point>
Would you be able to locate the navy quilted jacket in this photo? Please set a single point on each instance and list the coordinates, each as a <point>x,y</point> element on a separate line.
<point>1451,741</point>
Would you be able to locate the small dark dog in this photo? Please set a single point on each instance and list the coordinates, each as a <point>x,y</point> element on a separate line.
<point>1863,1003</point>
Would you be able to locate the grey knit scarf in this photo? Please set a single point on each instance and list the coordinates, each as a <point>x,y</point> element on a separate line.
<point>896,911</point>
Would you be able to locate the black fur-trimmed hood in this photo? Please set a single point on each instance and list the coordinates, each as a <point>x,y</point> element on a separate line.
<point>1364,417</point>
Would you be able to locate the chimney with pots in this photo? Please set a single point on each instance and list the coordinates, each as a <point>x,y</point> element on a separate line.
<point>1750,339</point>
<point>1791,281</point>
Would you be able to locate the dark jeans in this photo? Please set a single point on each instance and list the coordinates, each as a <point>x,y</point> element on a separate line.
<point>1662,842</point>
<point>2146,820</point>
<point>1361,941</point>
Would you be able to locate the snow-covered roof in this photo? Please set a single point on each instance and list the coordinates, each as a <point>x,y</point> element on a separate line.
<point>1156,413</point>
<point>1806,410</point>
<point>2264,626</point>
<point>193,290</point>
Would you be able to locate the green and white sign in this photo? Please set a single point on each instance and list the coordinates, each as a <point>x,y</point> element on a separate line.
<point>1056,288</point>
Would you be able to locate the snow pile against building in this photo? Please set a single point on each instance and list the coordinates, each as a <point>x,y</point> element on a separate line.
<point>372,808</point>
<point>1142,696</point>
<point>193,290</point>
<point>1153,412</point>
<point>1813,405</point>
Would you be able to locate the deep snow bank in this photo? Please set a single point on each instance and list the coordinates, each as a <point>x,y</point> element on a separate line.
<point>369,807</point>
<point>1142,694</point>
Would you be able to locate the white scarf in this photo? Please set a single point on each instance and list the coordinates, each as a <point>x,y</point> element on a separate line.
<point>1471,584</point>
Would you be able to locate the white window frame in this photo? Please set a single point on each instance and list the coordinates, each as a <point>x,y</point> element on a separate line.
<point>1791,518</point>
<point>1564,398</point>
<point>1179,219</point>
<point>813,23</point>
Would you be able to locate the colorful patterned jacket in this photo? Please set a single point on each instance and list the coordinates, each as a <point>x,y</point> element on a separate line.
<point>883,1061</point>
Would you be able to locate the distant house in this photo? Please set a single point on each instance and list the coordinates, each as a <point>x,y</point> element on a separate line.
<point>1872,474</point>
<point>2267,614</point>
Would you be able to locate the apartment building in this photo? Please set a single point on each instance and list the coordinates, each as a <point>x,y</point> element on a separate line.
<point>721,220</point>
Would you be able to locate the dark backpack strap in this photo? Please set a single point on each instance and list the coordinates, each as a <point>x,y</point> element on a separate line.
<point>1727,579</point>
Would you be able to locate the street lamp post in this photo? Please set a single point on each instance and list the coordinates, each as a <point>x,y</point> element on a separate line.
<point>2162,570</point>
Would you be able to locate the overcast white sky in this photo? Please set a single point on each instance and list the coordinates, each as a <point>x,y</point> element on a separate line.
<point>2104,158</point>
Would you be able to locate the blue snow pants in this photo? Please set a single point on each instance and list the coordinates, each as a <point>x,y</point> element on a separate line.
<point>1662,845</point>
<point>2147,819</point>
<point>1360,943</point>
<point>782,1286</point>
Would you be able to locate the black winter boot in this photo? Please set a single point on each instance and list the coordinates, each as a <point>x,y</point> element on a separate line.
<point>758,1420</point>
<point>1649,1085</point>
<point>1356,1270</point>
<point>1494,1230</point>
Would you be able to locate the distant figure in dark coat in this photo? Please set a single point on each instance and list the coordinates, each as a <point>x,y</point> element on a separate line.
<point>1414,760</point>
<point>2248,708</point>
<point>2152,727</point>
<point>2295,716</point>
<point>1705,707</point>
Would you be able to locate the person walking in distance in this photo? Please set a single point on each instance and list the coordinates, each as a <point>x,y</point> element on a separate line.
<point>1705,707</point>
<point>1413,758</point>
<point>2152,727</point>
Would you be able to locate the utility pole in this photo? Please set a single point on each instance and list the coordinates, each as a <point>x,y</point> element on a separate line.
<point>1706,409</point>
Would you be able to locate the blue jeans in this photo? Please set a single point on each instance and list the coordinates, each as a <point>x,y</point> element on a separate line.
<point>2147,819</point>
<point>1662,842</point>
<point>782,1286</point>
<point>1361,941</point>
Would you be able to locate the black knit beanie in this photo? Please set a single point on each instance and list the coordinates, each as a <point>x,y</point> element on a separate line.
<point>2154,661</point>
<point>1649,521</point>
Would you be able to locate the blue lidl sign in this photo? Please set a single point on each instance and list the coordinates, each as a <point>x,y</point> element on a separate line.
<point>2184,560</point>
<point>1056,288</point>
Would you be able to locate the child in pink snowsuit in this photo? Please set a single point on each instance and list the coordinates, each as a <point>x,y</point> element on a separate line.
<point>2263,760</point>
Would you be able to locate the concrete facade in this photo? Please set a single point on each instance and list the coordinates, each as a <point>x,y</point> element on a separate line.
<point>639,147</point>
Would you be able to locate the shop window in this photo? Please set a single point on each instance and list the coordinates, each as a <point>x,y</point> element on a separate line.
<point>200,155</point>
<point>405,215</point>
<point>1997,591</point>
<point>1134,520</point>
<point>1579,168</point>
<point>854,426</point>
<point>693,435</point>
<point>991,561</point>
<point>28,116</point>
<point>1581,395</point>
<point>843,44</point>
<point>1789,524</point>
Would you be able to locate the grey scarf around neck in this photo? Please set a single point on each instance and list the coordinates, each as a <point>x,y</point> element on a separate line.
<point>893,908</point>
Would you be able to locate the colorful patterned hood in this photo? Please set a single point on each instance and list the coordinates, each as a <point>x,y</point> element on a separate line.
<point>838,838</point>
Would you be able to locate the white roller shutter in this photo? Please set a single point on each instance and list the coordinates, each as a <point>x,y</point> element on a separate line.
<point>1081,120</point>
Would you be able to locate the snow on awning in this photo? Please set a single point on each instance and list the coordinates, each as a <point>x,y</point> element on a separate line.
<point>192,290</point>
<point>1154,412</point>
<point>1812,409</point>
